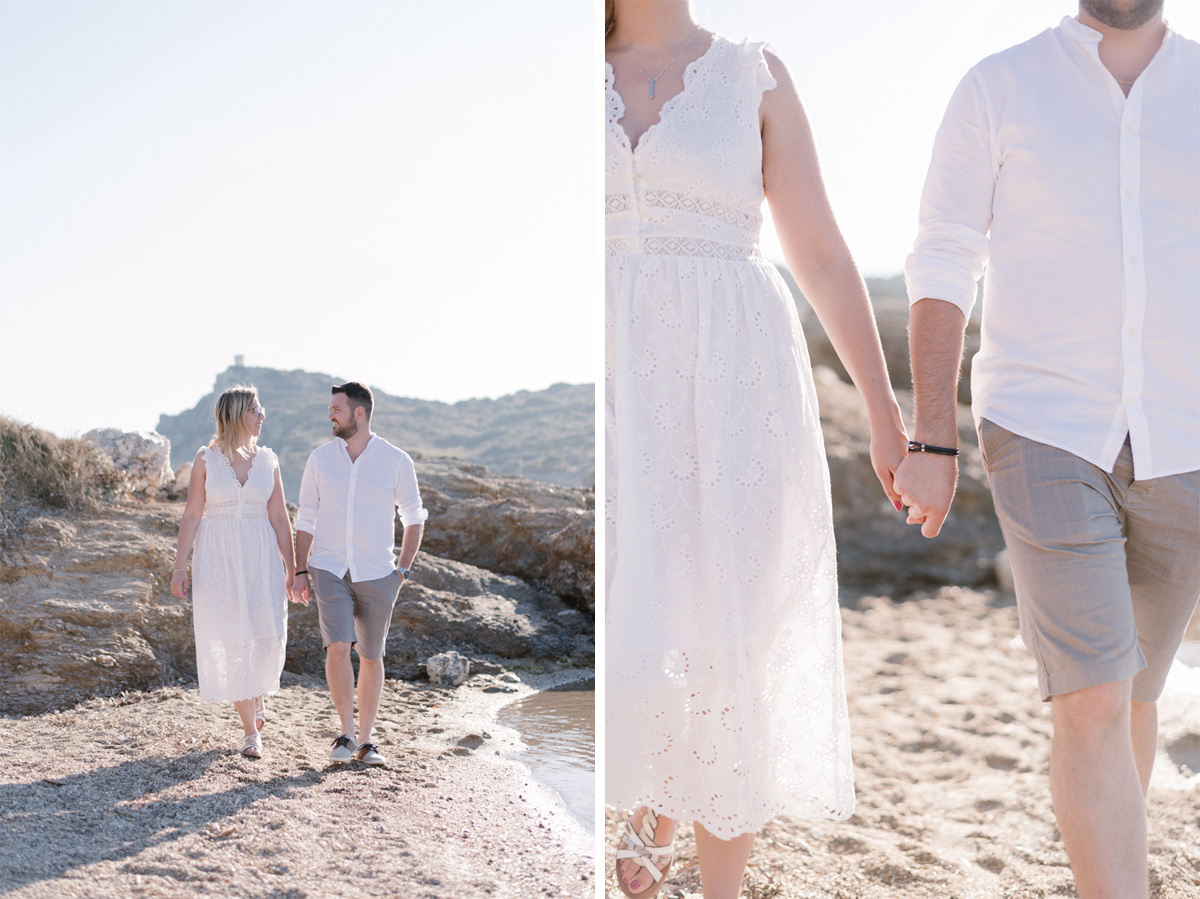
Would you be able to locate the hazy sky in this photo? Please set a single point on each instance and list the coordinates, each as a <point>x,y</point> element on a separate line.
<point>875,76</point>
<point>402,191</point>
<point>399,192</point>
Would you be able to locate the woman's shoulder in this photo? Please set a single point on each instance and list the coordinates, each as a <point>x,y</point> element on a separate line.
<point>270,455</point>
<point>754,57</point>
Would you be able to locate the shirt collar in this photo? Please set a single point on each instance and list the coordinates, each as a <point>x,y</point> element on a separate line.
<point>1076,30</point>
<point>1084,34</point>
<point>346,444</point>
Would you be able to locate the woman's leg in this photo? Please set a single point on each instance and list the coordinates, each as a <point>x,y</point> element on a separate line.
<point>245,710</point>
<point>722,863</point>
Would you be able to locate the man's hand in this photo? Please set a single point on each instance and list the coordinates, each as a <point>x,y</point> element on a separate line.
<point>300,590</point>
<point>926,484</point>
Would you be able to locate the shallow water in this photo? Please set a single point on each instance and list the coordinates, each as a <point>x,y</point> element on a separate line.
<point>558,728</point>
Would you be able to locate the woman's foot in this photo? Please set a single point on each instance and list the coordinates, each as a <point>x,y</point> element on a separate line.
<point>645,853</point>
<point>260,712</point>
<point>252,748</point>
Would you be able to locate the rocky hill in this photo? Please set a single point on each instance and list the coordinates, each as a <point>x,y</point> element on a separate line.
<point>505,577</point>
<point>546,435</point>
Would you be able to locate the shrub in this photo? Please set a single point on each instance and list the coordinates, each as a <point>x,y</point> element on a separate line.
<point>41,471</point>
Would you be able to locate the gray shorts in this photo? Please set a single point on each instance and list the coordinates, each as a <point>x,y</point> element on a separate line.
<point>1107,569</point>
<point>356,613</point>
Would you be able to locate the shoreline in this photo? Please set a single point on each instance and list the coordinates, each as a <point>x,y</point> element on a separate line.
<point>146,794</point>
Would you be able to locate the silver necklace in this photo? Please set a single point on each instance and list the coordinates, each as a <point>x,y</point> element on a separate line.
<point>625,50</point>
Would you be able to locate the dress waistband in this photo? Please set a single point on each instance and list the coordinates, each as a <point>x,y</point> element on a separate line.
<point>679,246</point>
<point>233,512</point>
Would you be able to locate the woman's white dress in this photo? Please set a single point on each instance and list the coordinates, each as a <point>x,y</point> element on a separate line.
<point>239,598</point>
<point>725,700</point>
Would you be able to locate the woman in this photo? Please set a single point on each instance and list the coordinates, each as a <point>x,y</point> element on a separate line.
<point>244,565</point>
<point>725,697</point>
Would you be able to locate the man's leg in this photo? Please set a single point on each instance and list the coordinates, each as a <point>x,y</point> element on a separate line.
<point>1143,733</point>
<point>335,611</point>
<point>374,601</point>
<point>339,674</point>
<point>1098,798</point>
<point>370,686</point>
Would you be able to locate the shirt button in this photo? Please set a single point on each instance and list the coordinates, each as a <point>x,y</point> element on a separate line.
<point>639,176</point>
<point>1131,332</point>
<point>1128,195</point>
<point>1129,129</point>
<point>1133,260</point>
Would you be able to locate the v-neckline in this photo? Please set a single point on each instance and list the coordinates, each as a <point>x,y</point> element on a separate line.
<point>668,106</point>
<point>233,471</point>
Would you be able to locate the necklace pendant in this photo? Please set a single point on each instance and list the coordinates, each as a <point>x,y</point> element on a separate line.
<point>652,80</point>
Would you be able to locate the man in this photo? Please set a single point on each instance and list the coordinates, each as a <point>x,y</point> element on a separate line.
<point>349,495</point>
<point>1070,164</point>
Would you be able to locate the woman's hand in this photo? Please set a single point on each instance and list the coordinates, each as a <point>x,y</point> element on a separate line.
<point>179,583</point>
<point>289,584</point>
<point>889,446</point>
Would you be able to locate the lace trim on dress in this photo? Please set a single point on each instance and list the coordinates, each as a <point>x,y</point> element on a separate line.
<point>670,199</point>
<point>679,246</point>
<point>614,203</point>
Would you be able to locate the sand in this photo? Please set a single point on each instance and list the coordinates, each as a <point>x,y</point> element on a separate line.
<point>146,795</point>
<point>951,748</point>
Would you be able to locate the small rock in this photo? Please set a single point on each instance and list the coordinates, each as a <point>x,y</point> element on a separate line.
<point>448,668</point>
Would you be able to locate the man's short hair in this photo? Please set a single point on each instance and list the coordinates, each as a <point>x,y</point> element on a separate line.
<point>357,395</point>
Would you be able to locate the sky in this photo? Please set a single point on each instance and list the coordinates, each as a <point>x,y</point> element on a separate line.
<point>875,77</point>
<point>402,192</point>
<point>397,192</point>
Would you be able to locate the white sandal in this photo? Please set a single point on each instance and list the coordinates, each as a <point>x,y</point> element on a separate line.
<point>252,748</point>
<point>639,848</point>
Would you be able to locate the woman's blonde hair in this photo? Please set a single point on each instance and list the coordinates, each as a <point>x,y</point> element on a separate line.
<point>232,406</point>
<point>610,17</point>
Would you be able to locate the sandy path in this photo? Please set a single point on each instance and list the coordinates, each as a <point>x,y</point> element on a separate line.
<point>146,795</point>
<point>951,749</point>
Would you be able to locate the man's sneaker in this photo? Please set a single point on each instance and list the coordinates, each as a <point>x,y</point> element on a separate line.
<point>369,754</point>
<point>343,749</point>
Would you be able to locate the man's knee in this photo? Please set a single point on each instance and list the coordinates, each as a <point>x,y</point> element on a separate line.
<point>1099,706</point>
<point>337,652</point>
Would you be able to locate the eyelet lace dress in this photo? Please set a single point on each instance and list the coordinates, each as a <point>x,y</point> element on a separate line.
<point>725,699</point>
<point>239,604</point>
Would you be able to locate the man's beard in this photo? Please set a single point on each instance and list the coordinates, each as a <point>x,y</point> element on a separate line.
<point>347,430</point>
<point>1105,11</point>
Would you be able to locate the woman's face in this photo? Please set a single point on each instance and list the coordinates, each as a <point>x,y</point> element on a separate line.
<point>253,419</point>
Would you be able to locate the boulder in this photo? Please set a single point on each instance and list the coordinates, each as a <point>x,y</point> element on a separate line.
<point>144,457</point>
<point>183,475</point>
<point>448,668</point>
<point>542,533</point>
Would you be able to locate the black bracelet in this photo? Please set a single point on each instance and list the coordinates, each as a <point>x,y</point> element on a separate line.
<point>298,573</point>
<point>914,447</point>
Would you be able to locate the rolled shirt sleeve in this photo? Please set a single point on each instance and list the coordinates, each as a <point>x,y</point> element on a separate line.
<point>408,495</point>
<point>956,204</point>
<point>306,516</point>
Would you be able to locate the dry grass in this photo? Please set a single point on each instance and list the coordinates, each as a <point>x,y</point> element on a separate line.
<point>40,471</point>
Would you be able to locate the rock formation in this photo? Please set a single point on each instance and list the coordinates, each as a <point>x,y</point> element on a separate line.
<point>86,609</point>
<point>144,456</point>
<point>542,533</point>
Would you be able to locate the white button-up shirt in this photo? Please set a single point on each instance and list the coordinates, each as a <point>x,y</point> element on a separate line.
<point>350,507</point>
<point>1085,207</point>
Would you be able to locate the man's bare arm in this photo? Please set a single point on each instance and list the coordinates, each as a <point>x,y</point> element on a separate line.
<point>926,482</point>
